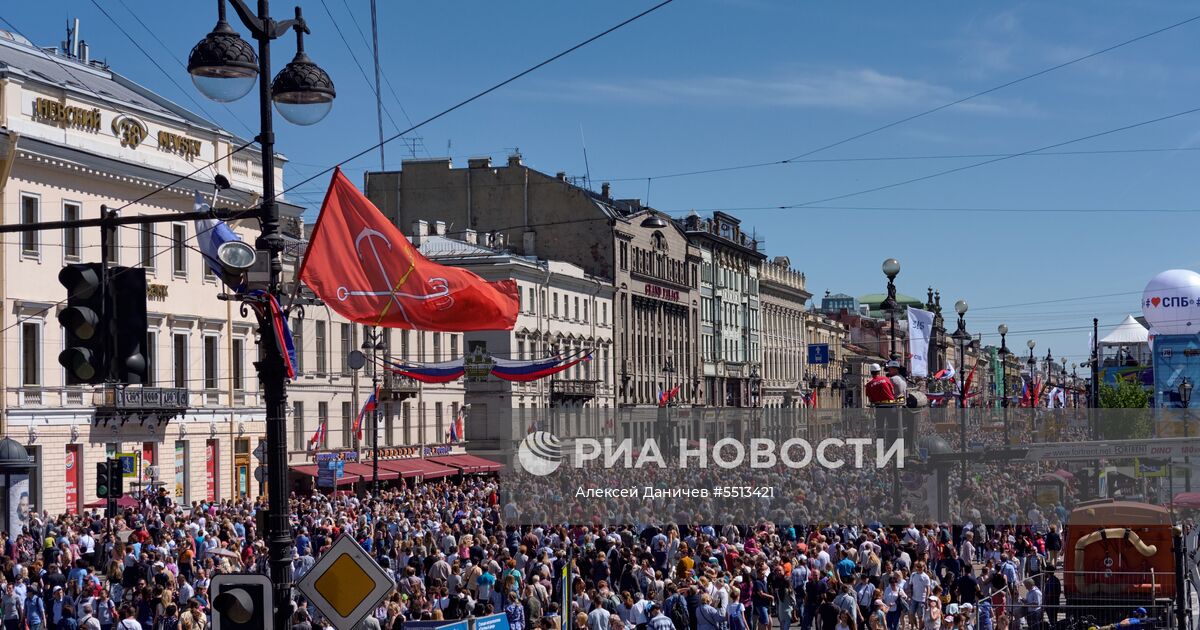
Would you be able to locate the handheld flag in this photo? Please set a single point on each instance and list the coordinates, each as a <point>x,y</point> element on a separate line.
<point>364,268</point>
<point>318,437</point>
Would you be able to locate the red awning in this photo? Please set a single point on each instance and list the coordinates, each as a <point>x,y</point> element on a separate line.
<point>409,468</point>
<point>468,464</point>
<point>311,470</point>
<point>364,471</point>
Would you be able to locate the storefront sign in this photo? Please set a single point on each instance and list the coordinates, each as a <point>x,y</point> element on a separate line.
<point>156,292</point>
<point>342,456</point>
<point>175,143</point>
<point>53,112</point>
<point>129,130</point>
<point>72,467</point>
<point>180,471</point>
<point>662,293</point>
<point>409,452</point>
<point>210,470</point>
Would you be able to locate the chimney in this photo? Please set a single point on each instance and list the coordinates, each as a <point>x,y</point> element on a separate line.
<point>604,189</point>
<point>420,230</point>
<point>514,159</point>
<point>561,176</point>
<point>439,228</point>
<point>479,162</point>
<point>529,243</point>
<point>83,51</point>
<point>469,237</point>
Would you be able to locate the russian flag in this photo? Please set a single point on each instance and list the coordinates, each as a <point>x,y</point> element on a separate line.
<point>456,427</point>
<point>211,234</point>
<point>368,407</point>
<point>443,372</point>
<point>524,371</point>
<point>318,438</point>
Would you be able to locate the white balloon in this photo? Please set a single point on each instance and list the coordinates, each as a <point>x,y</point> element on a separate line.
<point>1171,302</point>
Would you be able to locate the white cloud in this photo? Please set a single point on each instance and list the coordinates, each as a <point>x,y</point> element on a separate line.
<point>862,89</point>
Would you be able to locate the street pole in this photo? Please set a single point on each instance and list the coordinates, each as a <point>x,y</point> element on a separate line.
<point>375,413</point>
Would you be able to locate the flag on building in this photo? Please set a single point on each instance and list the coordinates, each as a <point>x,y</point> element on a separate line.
<point>368,407</point>
<point>665,396</point>
<point>525,371</point>
<point>366,270</point>
<point>457,427</point>
<point>442,372</point>
<point>318,438</point>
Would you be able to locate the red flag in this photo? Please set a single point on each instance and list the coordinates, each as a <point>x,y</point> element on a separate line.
<point>364,268</point>
<point>966,392</point>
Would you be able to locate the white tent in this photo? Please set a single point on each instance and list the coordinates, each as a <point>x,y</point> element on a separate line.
<point>1128,332</point>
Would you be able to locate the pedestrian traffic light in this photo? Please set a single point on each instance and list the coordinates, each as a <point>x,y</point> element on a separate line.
<point>241,602</point>
<point>116,479</point>
<point>103,480</point>
<point>128,285</point>
<point>86,324</point>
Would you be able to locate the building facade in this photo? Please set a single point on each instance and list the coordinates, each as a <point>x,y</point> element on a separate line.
<point>645,256</point>
<point>784,298</point>
<point>78,136</point>
<point>563,311</point>
<point>730,310</point>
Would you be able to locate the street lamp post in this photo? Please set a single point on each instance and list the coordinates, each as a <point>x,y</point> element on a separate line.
<point>962,337</point>
<point>224,68</point>
<point>374,343</point>
<point>1032,363</point>
<point>891,269</point>
<point>1003,330</point>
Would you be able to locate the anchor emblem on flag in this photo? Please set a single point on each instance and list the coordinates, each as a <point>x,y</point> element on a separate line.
<point>440,298</point>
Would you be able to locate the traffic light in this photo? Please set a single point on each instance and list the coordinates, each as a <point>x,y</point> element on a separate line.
<point>103,480</point>
<point>241,602</point>
<point>116,479</point>
<point>85,322</point>
<point>128,285</point>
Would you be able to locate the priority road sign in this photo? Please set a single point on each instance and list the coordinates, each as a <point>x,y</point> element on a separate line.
<point>345,584</point>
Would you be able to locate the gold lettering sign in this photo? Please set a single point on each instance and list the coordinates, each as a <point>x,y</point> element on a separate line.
<point>130,130</point>
<point>175,143</point>
<point>52,112</point>
<point>156,292</point>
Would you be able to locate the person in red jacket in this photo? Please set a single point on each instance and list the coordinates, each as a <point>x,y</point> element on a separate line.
<point>879,389</point>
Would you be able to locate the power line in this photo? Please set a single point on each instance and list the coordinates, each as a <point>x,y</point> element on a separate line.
<point>485,92</point>
<point>1002,158</point>
<point>353,56</point>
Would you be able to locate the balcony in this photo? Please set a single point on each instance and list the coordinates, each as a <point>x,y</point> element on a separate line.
<point>572,390</point>
<point>118,404</point>
<point>398,387</point>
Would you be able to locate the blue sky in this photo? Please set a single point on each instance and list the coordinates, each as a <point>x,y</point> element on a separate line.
<point>712,83</point>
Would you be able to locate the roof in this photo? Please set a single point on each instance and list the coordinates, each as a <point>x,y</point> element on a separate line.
<point>1128,332</point>
<point>91,81</point>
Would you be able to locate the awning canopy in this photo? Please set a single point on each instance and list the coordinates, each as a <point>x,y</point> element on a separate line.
<point>364,470</point>
<point>311,470</point>
<point>468,464</point>
<point>1128,332</point>
<point>423,468</point>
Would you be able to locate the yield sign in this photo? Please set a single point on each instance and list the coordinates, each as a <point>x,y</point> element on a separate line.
<point>345,584</point>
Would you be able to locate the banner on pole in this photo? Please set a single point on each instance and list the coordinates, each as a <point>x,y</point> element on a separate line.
<point>920,323</point>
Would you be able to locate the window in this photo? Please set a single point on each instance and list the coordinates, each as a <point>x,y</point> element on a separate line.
<point>298,341</point>
<point>404,344</point>
<point>389,424</point>
<point>151,357</point>
<point>437,418</point>
<point>298,440</point>
<point>576,308</point>
<point>520,351</point>
<point>319,340</point>
<point>347,423</point>
<point>72,247</point>
<point>520,302</point>
<point>554,297</point>
<point>585,309</point>
<point>406,423</point>
<point>604,313</point>
<point>30,213</point>
<point>323,419</point>
<point>531,300</point>
<point>180,341</point>
<point>453,346</point>
<point>236,369</point>
<point>113,252</point>
<point>210,362</point>
<point>179,249</point>
<point>437,346</point>
<point>347,348</point>
<point>146,247</point>
<point>31,349</point>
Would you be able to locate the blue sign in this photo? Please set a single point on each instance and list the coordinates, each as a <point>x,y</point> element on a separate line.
<point>492,622</point>
<point>818,353</point>
<point>1176,357</point>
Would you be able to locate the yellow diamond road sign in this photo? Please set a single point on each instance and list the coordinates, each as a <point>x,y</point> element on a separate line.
<point>345,584</point>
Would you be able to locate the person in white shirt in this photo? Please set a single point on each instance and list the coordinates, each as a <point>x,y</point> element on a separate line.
<point>919,586</point>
